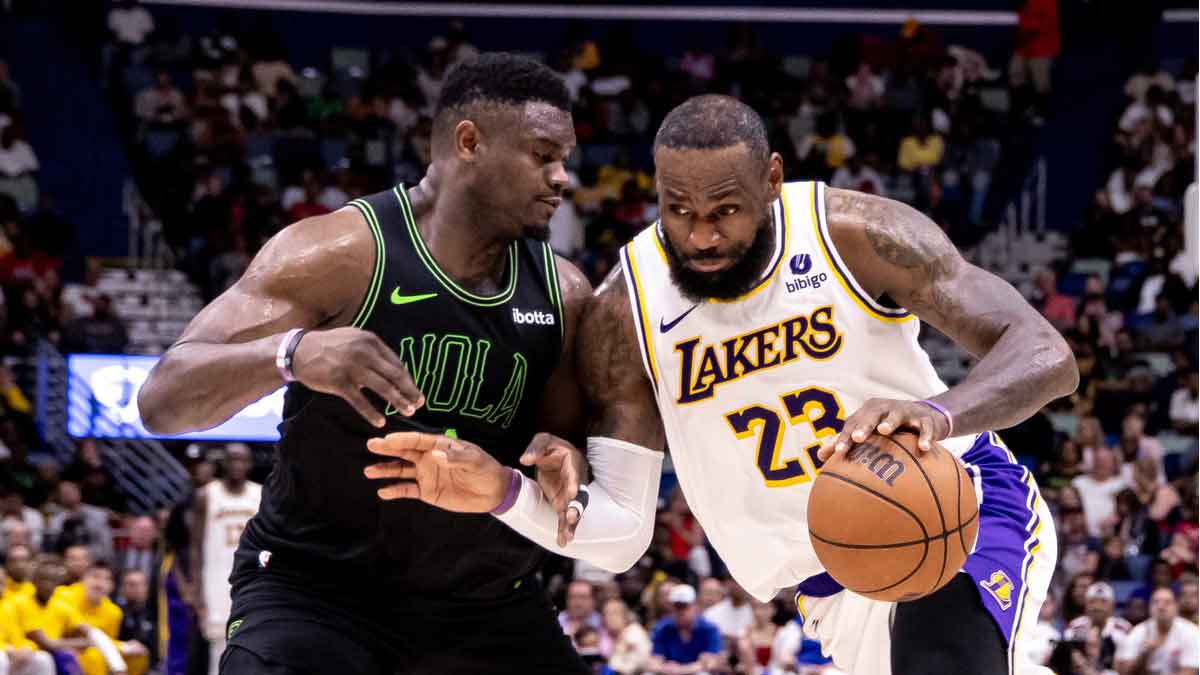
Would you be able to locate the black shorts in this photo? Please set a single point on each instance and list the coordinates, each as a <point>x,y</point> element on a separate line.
<point>281,627</point>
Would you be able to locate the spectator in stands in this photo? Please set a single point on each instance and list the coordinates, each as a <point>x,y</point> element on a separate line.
<point>142,553</point>
<point>10,92</point>
<point>161,102</point>
<point>1038,44</point>
<point>686,534</point>
<point>1136,610</point>
<point>826,149</point>
<point>1058,309</point>
<point>13,510</point>
<point>857,175</point>
<point>1185,407</point>
<point>755,641</point>
<point>79,299</point>
<point>1166,644</point>
<point>18,571</point>
<point>587,643</point>
<point>732,615</point>
<point>711,592</point>
<point>1074,602</point>
<point>1162,330</point>
<point>95,481</point>
<point>310,203</point>
<point>1135,444</point>
<point>1189,601</point>
<point>1097,489</point>
<point>630,642</point>
<point>101,333</point>
<point>1158,497</point>
<point>97,611</point>
<point>1160,577</point>
<point>581,611</point>
<point>1099,616</point>
<point>684,638</point>
<point>18,167</point>
<point>921,149</point>
<point>77,523</point>
<point>1184,536</point>
<point>139,620</point>
<point>130,23</point>
<point>76,561</point>
<point>1110,563</point>
<point>1138,533</point>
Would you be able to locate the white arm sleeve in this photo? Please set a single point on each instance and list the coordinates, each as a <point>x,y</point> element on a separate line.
<point>619,520</point>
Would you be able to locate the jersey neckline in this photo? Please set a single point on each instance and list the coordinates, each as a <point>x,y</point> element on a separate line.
<point>444,279</point>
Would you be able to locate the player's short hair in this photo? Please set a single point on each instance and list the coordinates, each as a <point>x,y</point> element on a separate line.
<point>497,78</point>
<point>713,122</point>
<point>100,566</point>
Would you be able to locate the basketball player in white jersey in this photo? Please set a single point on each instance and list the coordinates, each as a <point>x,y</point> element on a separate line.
<point>219,514</point>
<point>759,328</point>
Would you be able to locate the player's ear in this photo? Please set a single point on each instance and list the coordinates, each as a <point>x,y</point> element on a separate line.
<point>466,140</point>
<point>775,175</point>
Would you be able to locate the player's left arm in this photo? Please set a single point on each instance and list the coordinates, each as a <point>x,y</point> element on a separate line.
<point>893,249</point>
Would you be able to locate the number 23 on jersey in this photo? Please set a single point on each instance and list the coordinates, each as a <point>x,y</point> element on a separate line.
<point>817,407</point>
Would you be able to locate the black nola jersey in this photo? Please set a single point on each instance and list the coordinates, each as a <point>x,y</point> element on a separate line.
<point>482,363</point>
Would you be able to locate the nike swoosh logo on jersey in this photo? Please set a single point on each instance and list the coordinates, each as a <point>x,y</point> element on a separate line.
<point>398,299</point>
<point>663,326</point>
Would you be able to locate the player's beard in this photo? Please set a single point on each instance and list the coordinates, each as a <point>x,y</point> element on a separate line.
<point>731,282</point>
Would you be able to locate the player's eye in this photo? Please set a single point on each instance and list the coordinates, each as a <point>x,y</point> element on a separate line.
<point>728,210</point>
<point>679,210</point>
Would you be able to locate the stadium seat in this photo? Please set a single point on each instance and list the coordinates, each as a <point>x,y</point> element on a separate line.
<point>1124,590</point>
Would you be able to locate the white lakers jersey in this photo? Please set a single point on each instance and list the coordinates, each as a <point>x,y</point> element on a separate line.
<point>747,388</point>
<point>225,518</point>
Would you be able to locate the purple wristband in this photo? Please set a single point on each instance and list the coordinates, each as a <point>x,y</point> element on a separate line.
<point>945,413</point>
<point>510,495</point>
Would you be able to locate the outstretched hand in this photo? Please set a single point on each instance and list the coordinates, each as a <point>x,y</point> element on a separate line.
<point>448,473</point>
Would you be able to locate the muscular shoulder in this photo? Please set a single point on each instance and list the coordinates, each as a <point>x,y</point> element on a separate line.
<point>325,261</point>
<point>881,238</point>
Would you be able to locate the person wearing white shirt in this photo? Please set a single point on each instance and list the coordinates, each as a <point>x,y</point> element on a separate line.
<point>1185,408</point>
<point>1099,614</point>
<point>1043,637</point>
<point>1097,489</point>
<point>733,615</point>
<point>630,642</point>
<point>130,23</point>
<point>1165,644</point>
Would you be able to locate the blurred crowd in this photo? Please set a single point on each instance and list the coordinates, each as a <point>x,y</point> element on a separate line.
<point>231,143</point>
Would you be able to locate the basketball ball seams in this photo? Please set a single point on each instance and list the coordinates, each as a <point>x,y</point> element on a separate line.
<point>924,542</point>
<point>936,502</point>
<point>899,544</point>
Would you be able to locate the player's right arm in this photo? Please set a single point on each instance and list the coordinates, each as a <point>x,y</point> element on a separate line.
<point>312,275</point>
<point>624,448</point>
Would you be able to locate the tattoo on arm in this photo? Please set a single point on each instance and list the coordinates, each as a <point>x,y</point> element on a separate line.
<point>1024,363</point>
<point>616,388</point>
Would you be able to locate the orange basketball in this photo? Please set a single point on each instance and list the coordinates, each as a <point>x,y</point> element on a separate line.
<point>890,522</point>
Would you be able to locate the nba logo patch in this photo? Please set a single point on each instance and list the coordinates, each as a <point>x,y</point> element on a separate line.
<point>1000,587</point>
<point>801,263</point>
<point>264,557</point>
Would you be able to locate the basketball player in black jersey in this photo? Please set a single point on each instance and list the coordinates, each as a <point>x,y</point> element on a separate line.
<point>435,307</point>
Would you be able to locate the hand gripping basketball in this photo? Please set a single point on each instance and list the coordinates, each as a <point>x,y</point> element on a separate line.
<point>344,361</point>
<point>886,417</point>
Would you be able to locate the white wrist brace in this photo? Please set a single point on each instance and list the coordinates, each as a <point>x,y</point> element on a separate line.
<point>620,507</point>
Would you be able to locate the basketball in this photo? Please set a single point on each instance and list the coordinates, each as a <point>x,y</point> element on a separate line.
<point>890,522</point>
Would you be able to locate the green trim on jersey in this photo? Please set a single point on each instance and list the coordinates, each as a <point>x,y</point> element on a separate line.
<point>455,290</point>
<point>554,290</point>
<point>368,302</point>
